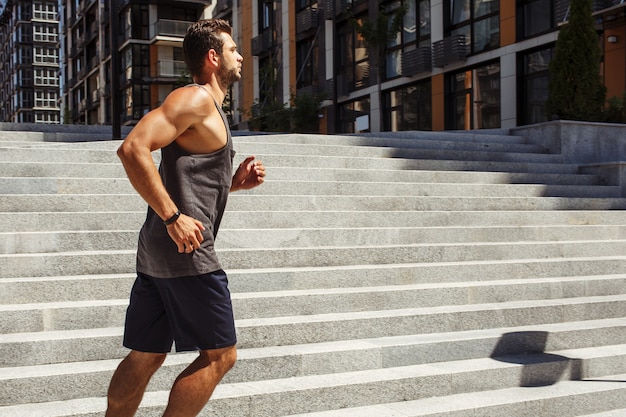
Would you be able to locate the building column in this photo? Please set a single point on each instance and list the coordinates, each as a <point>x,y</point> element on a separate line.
<point>508,90</point>
<point>286,42</point>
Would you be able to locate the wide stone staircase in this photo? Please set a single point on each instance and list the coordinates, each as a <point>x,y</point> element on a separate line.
<point>416,274</point>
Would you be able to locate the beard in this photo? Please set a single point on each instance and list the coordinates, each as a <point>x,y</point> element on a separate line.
<point>228,75</point>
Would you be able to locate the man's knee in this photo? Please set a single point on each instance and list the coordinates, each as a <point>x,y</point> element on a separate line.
<point>224,358</point>
<point>149,362</point>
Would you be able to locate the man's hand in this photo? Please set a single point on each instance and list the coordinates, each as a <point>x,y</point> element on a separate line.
<point>186,232</point>
<point>249,174</point>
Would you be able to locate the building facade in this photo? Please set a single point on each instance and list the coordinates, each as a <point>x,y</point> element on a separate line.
<point>148,64</point>
<point>29,61</point>
<point>454,64</point>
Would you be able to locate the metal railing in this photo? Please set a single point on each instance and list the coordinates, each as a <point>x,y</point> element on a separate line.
<point>167,68</point>
<point>175,28</point>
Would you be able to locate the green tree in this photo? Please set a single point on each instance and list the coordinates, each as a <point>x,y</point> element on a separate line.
<point>576,91</point>
<point>305,112</point>
<point>378,34</point>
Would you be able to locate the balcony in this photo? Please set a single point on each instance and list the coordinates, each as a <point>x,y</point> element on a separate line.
<point>165,68</point>
<point>340,7</point>
<point>450,50</point>
<point>92,31</point>
<point>94,99</point>
<point>306,20</point>
<point>170,28</point>
<point>416,61</point>
<point>223,5</point>
<point>262,43</point>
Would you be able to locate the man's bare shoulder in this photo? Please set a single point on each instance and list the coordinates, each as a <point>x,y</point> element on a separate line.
<point>192,99</point>
<point>205,131</point>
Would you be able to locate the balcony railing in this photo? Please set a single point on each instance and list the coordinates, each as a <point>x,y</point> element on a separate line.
<point>165,68</point>
<point>172,28</point>
<point>416,61</point>
<point>340,6</point>
<point>450,50</point>
<point>262,43</point>
<point>307,20</point>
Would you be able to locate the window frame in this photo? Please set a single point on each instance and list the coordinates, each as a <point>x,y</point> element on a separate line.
<point>467,23</point>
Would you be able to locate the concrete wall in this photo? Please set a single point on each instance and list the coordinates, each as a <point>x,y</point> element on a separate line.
<point>599,148</point>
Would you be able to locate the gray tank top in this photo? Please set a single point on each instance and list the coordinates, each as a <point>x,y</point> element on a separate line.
<point>199,185</point>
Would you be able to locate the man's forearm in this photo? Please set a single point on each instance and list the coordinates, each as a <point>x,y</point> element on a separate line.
<point>145,178</point>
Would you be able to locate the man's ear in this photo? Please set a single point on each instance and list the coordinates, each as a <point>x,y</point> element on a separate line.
<point>213,58</point>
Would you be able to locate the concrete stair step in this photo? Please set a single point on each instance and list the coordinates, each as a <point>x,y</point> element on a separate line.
<point>419,150</point>
<point>123,261</point>
<point>425,176</point>
<point>451,164</point>
<point>86,130</point>
<point>283,397</point>
<point>69,315</point>
<point>298,187</point>
<point>49,289</point>
<point>610,413</point>
<point>64,241</point>
<point>125,202</point>
<point>53,346</point>
<point>563,399</point>
<point>244,219</point>
<point>407,139</point>
<point>115,170</point>
<point>42,185</point>
<point>246,238</point>
<point>53,170</point>
<point>87,379</point>
<point>57,154</point>
<point>320,145</point>
<point>18,138</point>
<point>6,138</point>
<point>542,163</point>
<point>93,240</point>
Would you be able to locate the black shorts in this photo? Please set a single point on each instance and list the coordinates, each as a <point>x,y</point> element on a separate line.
<point>194,312</point>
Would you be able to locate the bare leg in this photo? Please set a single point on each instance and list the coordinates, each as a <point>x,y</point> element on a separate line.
<point>195,385</point>
<point>129,382</point>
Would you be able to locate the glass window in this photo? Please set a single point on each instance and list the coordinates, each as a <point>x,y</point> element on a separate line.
<point>485,7</point>
<point>46,55</point>
<point>424,18</point>
<point>303,4</point>
<point>535,17</point>
<point>44,10</point>
<point>46,98</point>
<point>306,63</point>
<point>533,86</point>
<point>47,117</point>
<point>265,14</point>
<point>45,33</point>
<point>410,37</point>
<point>459,11</point>
<point>473,99</point>
<point>46,77</point>
<point>477,20</point>
<point>486,34</point>
<point>408,108</point>
<point>354,116</point>
<point>353,60</point>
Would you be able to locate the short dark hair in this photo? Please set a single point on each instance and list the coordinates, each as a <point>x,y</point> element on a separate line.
<point>201,37</point>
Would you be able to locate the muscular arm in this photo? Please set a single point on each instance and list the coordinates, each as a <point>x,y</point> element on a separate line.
<point>181,110</point>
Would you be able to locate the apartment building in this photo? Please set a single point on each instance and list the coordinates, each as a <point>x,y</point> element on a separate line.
<point>455,64</point>
<point>29,61</point>
<point>149,61</point>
